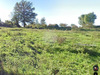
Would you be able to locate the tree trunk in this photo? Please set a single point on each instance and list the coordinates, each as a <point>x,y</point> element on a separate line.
<point>24,23</point>
<point>17,23</point>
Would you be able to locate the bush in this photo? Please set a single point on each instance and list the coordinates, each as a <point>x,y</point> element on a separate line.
<point>36,26</point>
<point>74,27</point>
<point>7,24</point>
<point>61,40</point>
<point>52,26</point>
<point>68,27</point>
<point>29,26</point>
<point>63,25</point>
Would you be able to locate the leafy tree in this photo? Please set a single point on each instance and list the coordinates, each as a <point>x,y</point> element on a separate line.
<point>43,21</point>
<point>74,27</point>
<point>0,21</point>
<point>8,23</point>
<point>36,21</point>
<point>81,20</point>
<point>63,25</point>
<point>24,11</point>
<point>56,26</point>
<point>87,19</point>
<point>15,20</point>
<point>90,18</point>
<point>53,26</point>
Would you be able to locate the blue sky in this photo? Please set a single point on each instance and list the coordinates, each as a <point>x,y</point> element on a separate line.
<point>56,11</point>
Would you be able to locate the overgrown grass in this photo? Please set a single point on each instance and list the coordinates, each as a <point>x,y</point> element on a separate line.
<point>48,52</point>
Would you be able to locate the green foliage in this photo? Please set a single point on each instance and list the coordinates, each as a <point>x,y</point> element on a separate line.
<point>24,11</point>
<point>87,19</point>
<point>0,21</point>
<point>53,26</point>
<point>45,52</point>
<point>74,27</point>
<point>8,23</point>
<point>63,25</point>
<point>43,21</point>
<point>50,26</point>
<point>15,19</point>
<point>36,26</point>
<point>37,22</point>
<point>60,39</point>
<point>81,20</point>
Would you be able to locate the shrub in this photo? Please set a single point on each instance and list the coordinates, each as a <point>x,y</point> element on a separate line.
<point>63,25</point>
<point>36,26</point>
<point>68,27</point>
<point>53,26</point>
<point>74,27</point>
<point>7,24</point>
<point>59,39</point>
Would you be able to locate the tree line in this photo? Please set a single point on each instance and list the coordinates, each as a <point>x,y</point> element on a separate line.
<point>24,15</point>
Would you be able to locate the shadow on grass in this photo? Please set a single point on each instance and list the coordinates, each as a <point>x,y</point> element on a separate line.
<point>55,50</point>
<point>3,72</point>
<point>16,29</point>
<point>90,52</point>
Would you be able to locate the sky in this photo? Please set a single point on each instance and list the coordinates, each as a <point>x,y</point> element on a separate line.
<point>55,11</point>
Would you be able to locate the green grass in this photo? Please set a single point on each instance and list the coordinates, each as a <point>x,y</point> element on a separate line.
<point>43,52</point>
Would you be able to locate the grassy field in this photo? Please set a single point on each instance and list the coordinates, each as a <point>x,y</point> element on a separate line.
<point>47,52</point>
